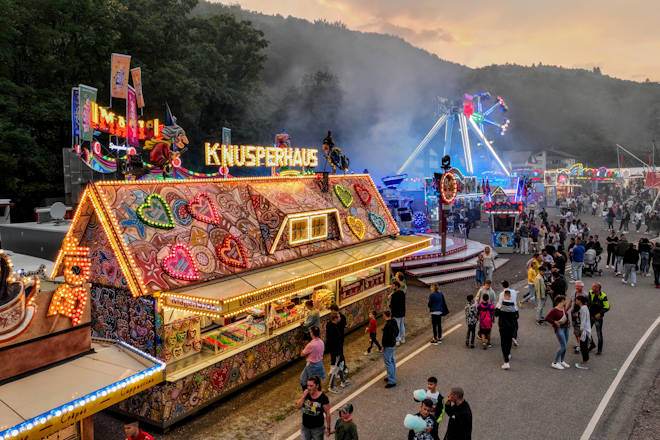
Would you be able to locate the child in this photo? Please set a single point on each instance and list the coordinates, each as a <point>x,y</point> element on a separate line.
<point>486,288</point>
<point>481,274</point>
<point>486,310</point>
<point>345,428</point>
<point>434,395</point>
<point>372,328</point>
<point>426,414</point>
<point>470,320</point>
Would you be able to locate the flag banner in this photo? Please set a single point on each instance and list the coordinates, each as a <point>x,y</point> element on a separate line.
<point>121,64</point>
<point>131,119</point>
<point>226,136</point>
<point>86,97</point>
<point>75,127</point>
<point>137,83</point>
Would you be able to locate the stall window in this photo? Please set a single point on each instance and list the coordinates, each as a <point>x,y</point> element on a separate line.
<point>292,310</point>
<point>299,231</point>
<point>319,227</point>
<point>307,229</point>
<point>361,282</point>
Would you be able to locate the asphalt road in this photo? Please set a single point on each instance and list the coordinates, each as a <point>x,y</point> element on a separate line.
<point>531,400</point>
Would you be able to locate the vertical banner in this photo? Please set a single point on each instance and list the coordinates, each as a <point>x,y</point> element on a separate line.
<point>75,127</point>
<point>226,136</point>
<point>86,96</point>
<point>137,83</point>
<point>131,118</point>
<point>121,64</point>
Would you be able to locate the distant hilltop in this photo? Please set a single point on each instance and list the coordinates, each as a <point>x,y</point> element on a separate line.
<point>378,93</point>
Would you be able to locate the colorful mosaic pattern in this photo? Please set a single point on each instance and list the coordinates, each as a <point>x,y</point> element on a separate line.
<point>250,210</point>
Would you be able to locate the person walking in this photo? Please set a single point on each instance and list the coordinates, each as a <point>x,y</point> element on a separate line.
<point>315,407</point>
<point>313,353</point>
<point>575,314</point>
<point>655,262</point>
<point>507,314</point>
<point>390,333</point>
<point>621,248</point>
<point>398,308</point>
<point>471,320</point>
<point>486,311</point>
<point>558,316</point>
<point>611,241</point>
<point>345,428</point>
<point>342,331</point>
<point>372,329</point>
<point>459,415</point>
<point>438,308</point>
<point>524,238</point>
<point>598,306</point>
<point>644,248</point>
<point>630,260</point>
<point>539,287</point>
<point>577,254</point>
<point>334,344</point>
<point>585,333</point>
<point>480,274</point>
<point>486,288</point>
<point>610,218</point>
<point>489,262</point>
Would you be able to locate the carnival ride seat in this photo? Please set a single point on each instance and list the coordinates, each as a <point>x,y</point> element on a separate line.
<point>591,260</point>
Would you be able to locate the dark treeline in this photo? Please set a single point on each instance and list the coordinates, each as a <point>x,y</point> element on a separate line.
<point>222,66</point>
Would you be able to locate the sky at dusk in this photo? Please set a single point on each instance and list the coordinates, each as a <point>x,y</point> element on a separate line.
<point>622,37</point>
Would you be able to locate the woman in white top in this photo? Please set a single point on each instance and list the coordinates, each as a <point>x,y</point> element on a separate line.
<point>489,262</point>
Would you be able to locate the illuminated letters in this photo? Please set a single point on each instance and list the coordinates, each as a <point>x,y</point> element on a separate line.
<point>256,156</point>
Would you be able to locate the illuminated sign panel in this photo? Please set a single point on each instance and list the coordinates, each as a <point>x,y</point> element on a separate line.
<point>256,156</point>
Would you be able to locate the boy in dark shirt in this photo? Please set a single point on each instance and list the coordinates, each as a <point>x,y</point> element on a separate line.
<point>431,431</point>
<point>345,428</point>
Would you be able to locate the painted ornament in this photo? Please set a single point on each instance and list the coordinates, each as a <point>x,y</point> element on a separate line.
<point>203,209</point>
<point>179,263</point>
<point>363,193</point>
<point>232,253</point>
<point>378,222</point>
<point>156,212</point>
<point>344,195</point>
<point>356,226</point>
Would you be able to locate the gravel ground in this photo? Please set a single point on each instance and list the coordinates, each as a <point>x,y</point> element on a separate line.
<point>647,422</point>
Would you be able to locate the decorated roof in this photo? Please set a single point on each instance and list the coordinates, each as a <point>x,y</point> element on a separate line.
<point>503,207</point>
<point>171,234</point>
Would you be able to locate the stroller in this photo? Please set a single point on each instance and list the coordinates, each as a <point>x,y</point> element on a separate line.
<point>591,260</point>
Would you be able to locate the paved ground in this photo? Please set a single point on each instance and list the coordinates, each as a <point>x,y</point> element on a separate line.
<point>529,401</point>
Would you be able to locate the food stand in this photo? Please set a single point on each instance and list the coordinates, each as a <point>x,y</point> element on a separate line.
<point>503,218</point>
<point>210,275</point>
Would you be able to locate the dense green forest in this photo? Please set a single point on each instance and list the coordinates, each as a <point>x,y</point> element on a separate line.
<point>221,66</point>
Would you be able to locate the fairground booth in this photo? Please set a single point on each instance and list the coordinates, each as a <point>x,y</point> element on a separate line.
<point>211,275</point>
<point>55,376</point>
<point>502,218</point>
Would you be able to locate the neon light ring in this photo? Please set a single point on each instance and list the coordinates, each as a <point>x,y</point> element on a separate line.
<point>448,187</point>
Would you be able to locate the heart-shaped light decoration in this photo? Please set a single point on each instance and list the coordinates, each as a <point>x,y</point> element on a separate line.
<point>232,252</point>
<point>344,195</point>
<point>363,193</point>
<point>378,222</point>
<point>356,226</point>
<point>156,212</point>
<point>203,209</point>
<point>180,264</point>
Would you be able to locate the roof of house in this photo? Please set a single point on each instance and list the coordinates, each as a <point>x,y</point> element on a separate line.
<point>172,234</point>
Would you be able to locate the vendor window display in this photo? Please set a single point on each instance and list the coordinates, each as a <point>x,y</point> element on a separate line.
<point>361,282</point>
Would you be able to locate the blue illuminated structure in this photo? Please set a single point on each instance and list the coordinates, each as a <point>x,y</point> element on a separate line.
<point>471,118</point>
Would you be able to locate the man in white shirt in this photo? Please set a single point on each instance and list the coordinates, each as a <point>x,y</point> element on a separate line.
<point>514,300</point>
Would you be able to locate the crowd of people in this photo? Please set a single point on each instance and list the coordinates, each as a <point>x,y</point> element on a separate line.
<point>561,253</point>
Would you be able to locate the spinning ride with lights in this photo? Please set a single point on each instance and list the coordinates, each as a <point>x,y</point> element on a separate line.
<point>474,123</point>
